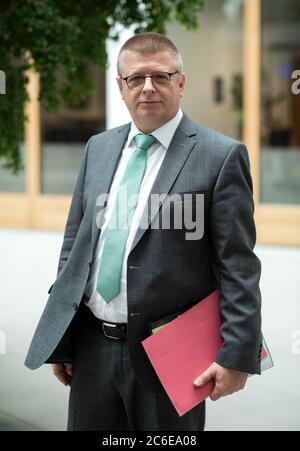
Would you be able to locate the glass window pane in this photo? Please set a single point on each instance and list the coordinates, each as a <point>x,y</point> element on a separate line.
<point>213,61</point>
<point>10,182</point>
<point>280,134</point>
<point>64,135</point>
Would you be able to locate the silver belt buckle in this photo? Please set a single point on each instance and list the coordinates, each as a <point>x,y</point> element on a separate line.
<point>105,334</point>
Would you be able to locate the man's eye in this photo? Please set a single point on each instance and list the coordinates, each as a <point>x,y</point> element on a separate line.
<point>161,76</point>
<point>135,79</point>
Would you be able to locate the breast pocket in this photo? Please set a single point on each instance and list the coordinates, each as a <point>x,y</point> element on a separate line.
<point>183,212</point>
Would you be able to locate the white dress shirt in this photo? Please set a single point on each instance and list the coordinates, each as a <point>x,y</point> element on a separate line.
<point>116,309</point>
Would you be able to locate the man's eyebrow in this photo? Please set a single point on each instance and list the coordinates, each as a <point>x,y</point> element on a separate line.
<point>136,73</point>
<point>142,72</point>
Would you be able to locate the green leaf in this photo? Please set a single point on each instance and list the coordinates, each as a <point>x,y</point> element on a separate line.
<point>66,37</point>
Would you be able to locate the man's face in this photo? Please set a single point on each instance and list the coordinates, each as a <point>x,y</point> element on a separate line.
<point>152,105</point>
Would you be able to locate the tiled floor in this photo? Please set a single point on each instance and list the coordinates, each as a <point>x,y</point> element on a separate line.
<point>35,399</point>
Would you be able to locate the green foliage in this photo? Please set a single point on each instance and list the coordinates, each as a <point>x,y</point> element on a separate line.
<point>67,36</point>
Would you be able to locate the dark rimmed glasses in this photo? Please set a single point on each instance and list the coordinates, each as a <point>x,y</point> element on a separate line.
<point>159,79</point>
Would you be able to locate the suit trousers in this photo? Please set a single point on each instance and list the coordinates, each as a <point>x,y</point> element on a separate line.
<point>105,394</point>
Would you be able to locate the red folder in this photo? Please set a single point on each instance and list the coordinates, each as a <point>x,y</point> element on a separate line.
<point>183,349</point>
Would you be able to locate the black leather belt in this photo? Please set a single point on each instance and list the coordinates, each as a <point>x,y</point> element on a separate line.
<point>115,331</point>
<point>112,331</point>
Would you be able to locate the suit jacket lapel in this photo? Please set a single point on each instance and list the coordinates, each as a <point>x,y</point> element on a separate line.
<point>177,153</point>
<point>108,160</point>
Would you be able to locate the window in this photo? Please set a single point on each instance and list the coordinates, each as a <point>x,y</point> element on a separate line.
<point>64,135</point>
<point>280,132</point>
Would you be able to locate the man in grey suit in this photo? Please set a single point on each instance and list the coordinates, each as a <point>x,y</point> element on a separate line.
<point>114,281</point>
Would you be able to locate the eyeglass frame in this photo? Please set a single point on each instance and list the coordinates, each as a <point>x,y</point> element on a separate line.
<point>148,76</point>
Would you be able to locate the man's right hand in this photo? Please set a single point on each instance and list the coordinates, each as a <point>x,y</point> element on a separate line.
<point>63,372</point>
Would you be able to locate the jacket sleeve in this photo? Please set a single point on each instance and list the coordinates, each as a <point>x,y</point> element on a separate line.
<point>237,268</point>
<point>75,214</point>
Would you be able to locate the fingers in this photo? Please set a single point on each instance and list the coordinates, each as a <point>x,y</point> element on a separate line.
<point>227,381</point>
<point>63,372</point>
<point>225,388</point>
<point>222,389</point>
<point>209,374</point>
<point>244,383</point>
<point>69,369</point>
<point>216,395</point>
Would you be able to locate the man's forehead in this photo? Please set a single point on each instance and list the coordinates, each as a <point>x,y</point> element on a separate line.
<point>137,62</point>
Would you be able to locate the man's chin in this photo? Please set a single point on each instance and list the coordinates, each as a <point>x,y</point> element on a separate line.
<point>149,122</point>
<point>156,107</point>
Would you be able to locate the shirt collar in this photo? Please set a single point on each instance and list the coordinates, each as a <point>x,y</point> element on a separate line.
<point>163,134</point>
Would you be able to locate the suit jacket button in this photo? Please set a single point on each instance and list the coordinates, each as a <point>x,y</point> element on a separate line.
<point>75,306</point>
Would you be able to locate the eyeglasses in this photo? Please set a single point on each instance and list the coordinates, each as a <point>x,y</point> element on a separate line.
<point>159,79</point>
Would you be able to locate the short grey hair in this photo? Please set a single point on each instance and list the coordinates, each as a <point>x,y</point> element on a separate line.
<point>147,43</point>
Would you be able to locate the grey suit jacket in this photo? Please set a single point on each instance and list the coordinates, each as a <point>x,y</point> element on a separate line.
<point>165,272</point>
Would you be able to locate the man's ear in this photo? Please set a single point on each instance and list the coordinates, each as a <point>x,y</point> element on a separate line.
<point>182,80</point>
<point>181,83</point>
<point>119,81</point>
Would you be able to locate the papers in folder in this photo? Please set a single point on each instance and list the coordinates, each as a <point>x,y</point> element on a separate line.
<point>184,348</point>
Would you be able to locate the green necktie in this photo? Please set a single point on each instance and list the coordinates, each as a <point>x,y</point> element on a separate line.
<point>109,274</point>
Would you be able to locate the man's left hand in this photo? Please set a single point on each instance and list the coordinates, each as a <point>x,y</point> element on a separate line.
<point>227,380</point>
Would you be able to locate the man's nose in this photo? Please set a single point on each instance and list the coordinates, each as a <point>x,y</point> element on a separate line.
<point>148,85</point>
